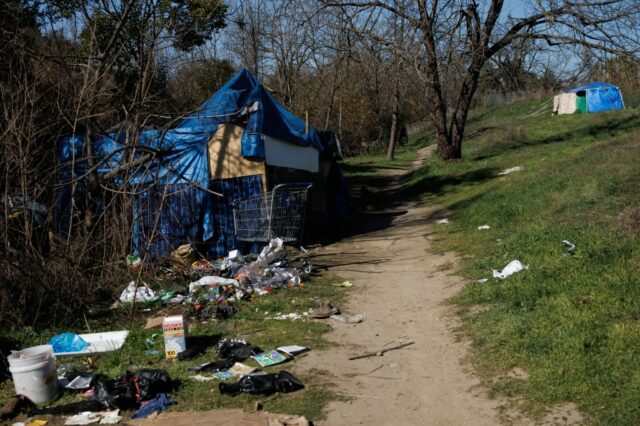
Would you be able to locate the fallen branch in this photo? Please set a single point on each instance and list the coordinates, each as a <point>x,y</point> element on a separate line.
<point>380,352</point>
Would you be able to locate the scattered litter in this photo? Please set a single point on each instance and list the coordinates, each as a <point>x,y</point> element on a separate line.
<point>292,316</point>
<point>31,423</point>
<point>154,322</point>
<point>110,418</point>
<point>83,381</point>
<point>201,378</point>
<point>212,281</point>
<point>571,247</point>
<point>67,342</point>
<point>442,221</point>
<point>142,293</point>
<point>510,170</point>
<point>266,359</point>
<point>292,350</point>
<point>33,371</point>
<point>348,319</point>
<point>344,284</point>
<point>88,417</point>
<point>133,262</point>
<point>156,405</point>
<point>271,252</point>
<point>128,391</point>
<point>99,343</point>
<point>174,330</point>
<point>513,267</point>
<point>382,351</point>
<point>483,227</point>
<point>482,280</point>
<point>240,369</point>
<point>224,375</point>
<point>263,384</point>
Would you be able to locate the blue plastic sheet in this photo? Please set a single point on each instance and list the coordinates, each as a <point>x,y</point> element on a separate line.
<point>67,342</point>
<point>232,190</point>
<point>243,95</point>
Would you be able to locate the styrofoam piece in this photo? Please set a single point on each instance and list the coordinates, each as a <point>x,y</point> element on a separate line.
<point>100,343</point>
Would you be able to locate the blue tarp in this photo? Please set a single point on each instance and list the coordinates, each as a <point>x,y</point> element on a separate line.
<point>601,97</point>
<point>243,95</point>
<point>180,168</point>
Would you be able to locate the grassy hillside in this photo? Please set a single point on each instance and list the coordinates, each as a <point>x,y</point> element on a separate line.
<point>571,322</point>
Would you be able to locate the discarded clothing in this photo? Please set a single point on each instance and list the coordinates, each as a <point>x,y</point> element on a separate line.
<point>513,267</point>
<point>156,405</point>
<point>263,384</point>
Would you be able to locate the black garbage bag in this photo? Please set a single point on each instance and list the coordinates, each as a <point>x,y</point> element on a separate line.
<point>114,393</point>
<point>263,384</point>
<point>152,382</point>
<point>214,366</point>
<point>125,392</point>
<point>236,349</point>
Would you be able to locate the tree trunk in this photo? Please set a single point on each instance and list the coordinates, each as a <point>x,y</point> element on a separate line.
<point>394,134</point>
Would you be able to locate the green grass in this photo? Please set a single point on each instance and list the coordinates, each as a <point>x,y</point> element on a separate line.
<point>572,322</point>
<point>249,324</point>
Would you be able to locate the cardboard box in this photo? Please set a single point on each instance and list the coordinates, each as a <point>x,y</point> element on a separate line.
<point>175,330</point>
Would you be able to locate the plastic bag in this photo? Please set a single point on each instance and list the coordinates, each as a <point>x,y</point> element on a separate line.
<point>142,294</point>
<point>238,350</point>
<point>67,342</point>
<point>263,384</point>
<point>271,252</point>
<point>125,392</point>
<point>210,281</point>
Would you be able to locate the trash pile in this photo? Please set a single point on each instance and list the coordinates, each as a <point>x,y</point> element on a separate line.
<point>206,290</point>
<point>220,283</point>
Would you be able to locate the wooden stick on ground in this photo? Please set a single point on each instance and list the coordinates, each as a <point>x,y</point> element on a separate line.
<point>380,352</point>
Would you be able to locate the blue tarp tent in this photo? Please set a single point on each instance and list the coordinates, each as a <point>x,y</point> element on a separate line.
<point>599,97</point>
<point>175,198</point>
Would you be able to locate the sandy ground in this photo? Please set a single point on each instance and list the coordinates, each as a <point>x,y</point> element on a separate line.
<point>401,289</point>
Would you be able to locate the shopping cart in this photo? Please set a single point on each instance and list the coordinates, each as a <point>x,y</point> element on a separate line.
<point>276,214</point>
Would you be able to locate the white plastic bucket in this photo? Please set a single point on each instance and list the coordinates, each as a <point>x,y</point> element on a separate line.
<point>34,373</point>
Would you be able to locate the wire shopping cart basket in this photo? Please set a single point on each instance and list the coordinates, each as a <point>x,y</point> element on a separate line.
<point>276,214</point>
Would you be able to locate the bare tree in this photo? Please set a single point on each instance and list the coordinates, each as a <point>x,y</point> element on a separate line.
<point>467,33</point>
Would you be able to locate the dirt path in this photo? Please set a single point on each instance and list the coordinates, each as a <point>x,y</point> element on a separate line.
<point>400,287</point>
